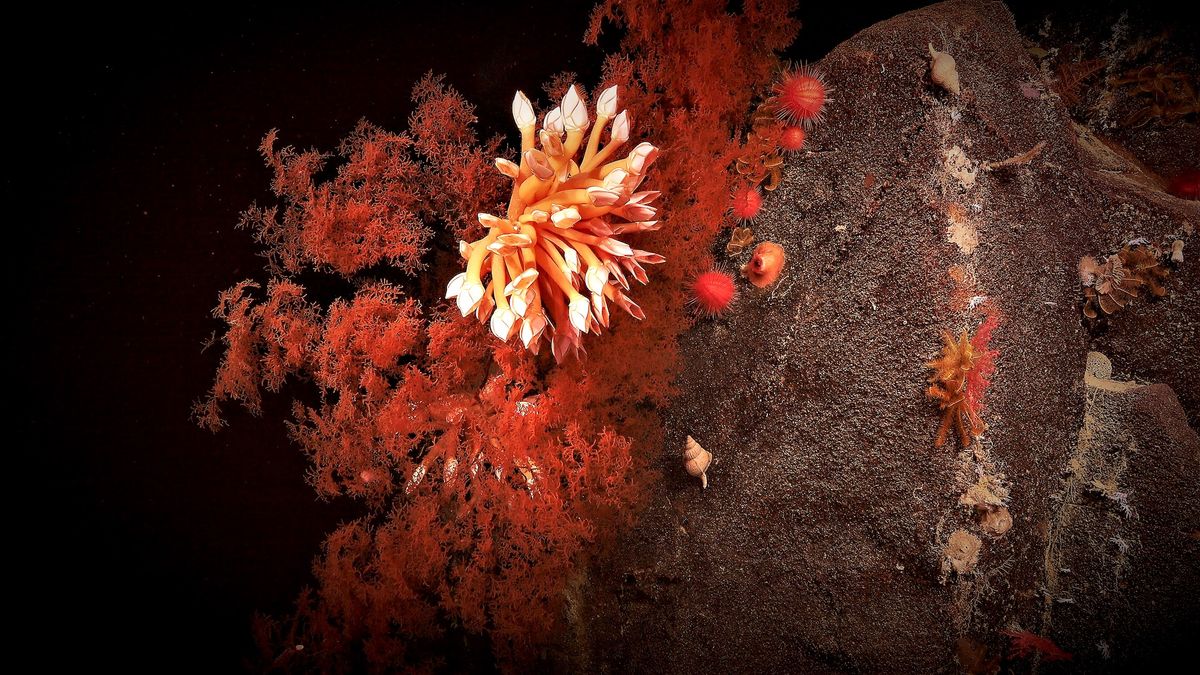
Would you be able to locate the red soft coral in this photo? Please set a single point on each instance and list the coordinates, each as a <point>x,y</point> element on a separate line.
<point>979,377</point>
<point>485,484</point>
<point>1025,644</point>
<point>487,476</point>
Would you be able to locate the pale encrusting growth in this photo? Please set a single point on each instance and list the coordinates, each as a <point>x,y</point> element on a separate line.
<point>553,260</point>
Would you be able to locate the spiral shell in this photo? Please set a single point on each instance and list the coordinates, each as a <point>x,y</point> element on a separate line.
<point>696,460</point>
<point>943,70</point>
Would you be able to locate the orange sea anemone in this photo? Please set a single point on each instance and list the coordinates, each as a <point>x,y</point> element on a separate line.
<point>553,259</point>
<point>765,265</point>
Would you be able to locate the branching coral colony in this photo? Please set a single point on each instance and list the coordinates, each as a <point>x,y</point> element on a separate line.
<point>487,480</point>
<point>558,232</point>
<point>484,483</point>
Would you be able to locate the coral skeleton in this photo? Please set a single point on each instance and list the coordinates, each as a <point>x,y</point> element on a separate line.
<point>554,260</point>
<point>761,162</point>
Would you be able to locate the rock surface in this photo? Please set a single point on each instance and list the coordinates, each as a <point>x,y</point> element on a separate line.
<point>821,543</point>
<point>1122,565</point>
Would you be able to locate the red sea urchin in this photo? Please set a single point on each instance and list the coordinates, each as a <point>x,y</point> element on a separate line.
<point>746,202</point>
<point>800,96</point>
<point>792,139</point>
<point>712,293</point>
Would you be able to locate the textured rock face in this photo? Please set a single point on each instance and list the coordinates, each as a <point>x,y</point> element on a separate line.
<point>823,541</point>
<point>1122,570</point>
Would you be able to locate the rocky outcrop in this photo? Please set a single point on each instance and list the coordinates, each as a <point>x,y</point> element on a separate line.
<point>1122,564</point>
<point>833,535</point>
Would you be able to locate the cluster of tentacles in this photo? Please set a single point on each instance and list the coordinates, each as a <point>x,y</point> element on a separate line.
<point>554,261</point>
<point>948,386</point>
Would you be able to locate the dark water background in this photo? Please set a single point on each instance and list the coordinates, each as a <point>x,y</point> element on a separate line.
<point>153,541</point>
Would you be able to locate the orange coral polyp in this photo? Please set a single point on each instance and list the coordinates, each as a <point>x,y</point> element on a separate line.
<point>554,261</point>
<point>948,386</point>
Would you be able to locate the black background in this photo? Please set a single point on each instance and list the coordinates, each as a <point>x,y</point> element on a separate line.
<point>152,541</point>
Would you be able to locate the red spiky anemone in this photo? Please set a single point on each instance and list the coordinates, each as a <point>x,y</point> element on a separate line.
<point>712,293</point>
<point>747,201</point>
<point>800,96</point>
<point>792,138</point>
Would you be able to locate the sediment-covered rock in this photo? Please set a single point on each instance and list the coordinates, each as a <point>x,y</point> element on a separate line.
<point>1123,554</point>
<point>827,537</point>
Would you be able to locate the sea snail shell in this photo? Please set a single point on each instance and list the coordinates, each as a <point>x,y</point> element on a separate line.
<point>943,70</point>
<point>696,460</point>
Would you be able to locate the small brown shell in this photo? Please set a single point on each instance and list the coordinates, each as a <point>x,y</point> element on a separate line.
<point>943,71</point>
<point>962,551</point>
<point>739,240</point>
<point>765,265</point>
<point>696,460</point>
